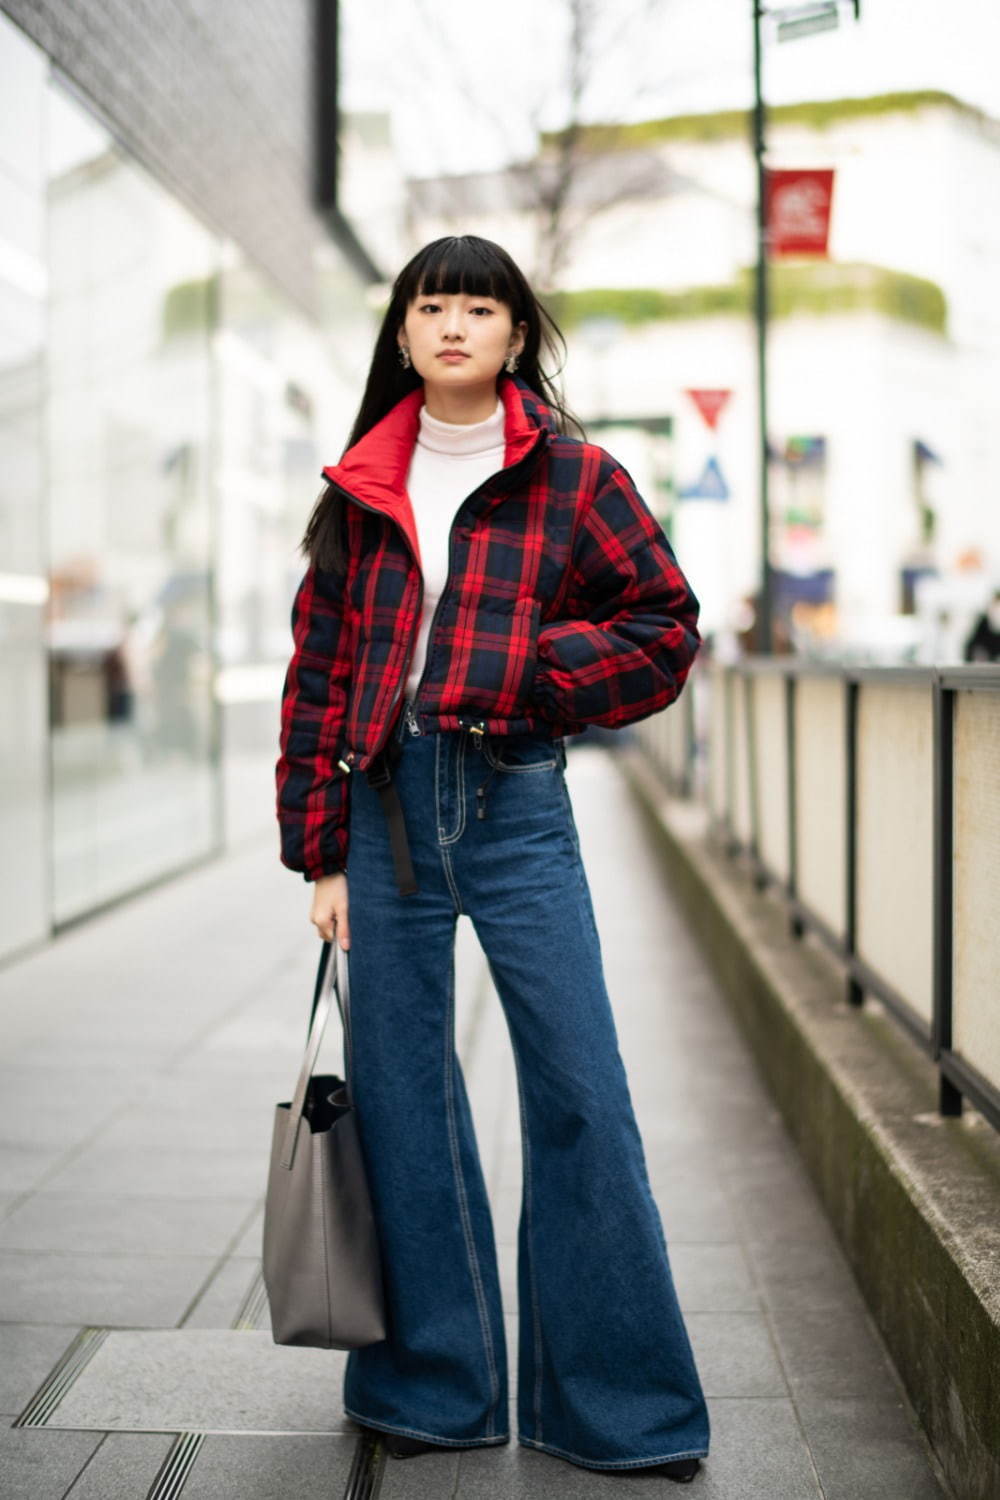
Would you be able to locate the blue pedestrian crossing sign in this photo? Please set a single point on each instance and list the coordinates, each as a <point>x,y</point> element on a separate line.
<point>710,486</point>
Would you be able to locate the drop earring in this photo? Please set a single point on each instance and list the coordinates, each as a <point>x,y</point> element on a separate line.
<point>510,363</point>
<point>404,356</point>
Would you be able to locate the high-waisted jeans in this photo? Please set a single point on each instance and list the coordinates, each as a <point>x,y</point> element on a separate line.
<point>606,1374</point>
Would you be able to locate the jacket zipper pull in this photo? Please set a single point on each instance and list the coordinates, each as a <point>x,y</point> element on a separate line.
<point>411,718</point>
<point>344,763</point>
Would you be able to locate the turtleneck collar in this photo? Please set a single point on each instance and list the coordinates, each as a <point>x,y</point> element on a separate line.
<point>462,437</point>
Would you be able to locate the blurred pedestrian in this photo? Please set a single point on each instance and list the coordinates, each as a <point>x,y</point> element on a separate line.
<point>748,629</point>
<point>481,584</point>
<point>984,642</point>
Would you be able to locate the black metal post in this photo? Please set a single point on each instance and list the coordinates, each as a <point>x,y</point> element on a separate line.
<point>765,634</point>
<point>855,990</point>
<point>753,778</point>
<point>949,1097</point>
<point>731,680</point>
<point>796,924</point>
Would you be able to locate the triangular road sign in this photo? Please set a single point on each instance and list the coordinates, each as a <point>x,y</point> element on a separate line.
<point>710,404</point>
<point>710,486</point>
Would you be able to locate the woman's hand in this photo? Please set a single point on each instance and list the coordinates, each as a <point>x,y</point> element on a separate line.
<point>329,908</point>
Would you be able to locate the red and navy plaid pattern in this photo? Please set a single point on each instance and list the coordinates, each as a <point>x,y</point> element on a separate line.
<point>564,607</point>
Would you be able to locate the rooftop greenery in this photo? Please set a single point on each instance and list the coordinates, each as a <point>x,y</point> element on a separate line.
<point>718,125</point>
<point>817,289</point>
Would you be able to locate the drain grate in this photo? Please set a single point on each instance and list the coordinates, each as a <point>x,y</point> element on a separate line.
<point>367,1467</point>
<point>59,1379</point>
<point>176,1467</point>
<point>252,1313</point>
<point>364,1482</point>
<point>365,1479</point>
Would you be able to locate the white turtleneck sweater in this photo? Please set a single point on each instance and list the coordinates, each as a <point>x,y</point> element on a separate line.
<point>450,460</point>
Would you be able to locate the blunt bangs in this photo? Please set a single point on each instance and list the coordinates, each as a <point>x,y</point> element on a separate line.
<point>460,264</point>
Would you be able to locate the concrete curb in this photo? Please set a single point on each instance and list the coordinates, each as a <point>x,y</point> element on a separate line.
<point>914,1198</point>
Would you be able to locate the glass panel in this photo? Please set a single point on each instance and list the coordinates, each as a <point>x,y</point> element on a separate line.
<point>131,288</point>
<point>23,589</point>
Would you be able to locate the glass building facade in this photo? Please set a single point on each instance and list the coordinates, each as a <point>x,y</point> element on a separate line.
<point>162,411</point>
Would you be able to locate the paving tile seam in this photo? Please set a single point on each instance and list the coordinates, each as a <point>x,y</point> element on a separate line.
<point>128,1255</point>
<point>275,976</point>
<point>66,1158</point>
<point>86,1465</point>
<point>793,1400</point>
<point>224,1260</point>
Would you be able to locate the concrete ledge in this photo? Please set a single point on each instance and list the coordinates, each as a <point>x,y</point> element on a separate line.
<point>914,1198</point>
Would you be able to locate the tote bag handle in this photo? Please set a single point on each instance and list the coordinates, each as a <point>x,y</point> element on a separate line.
<point>322,1000</point>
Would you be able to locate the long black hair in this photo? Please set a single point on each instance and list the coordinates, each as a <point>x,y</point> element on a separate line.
<point>455,263</point>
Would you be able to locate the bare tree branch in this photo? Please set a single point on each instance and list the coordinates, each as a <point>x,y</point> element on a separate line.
<point>569,182</point>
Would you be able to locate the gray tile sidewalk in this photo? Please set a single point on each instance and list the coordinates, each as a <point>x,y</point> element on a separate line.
<point>142,1054</point>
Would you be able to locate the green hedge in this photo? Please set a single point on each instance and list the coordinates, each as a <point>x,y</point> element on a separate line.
<point>819,288</point>
<point>723,124</point>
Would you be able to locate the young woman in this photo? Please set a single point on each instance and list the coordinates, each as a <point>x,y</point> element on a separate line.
<point>482,584</point>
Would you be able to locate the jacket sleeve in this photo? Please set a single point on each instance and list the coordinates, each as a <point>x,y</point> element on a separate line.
<point>631,632</point>
<point>312,793</point>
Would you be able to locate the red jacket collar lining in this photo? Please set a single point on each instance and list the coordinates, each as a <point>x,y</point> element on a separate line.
<point>375,467</point>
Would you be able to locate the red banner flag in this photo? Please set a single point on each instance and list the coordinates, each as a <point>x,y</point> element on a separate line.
<point>710,404</point>
<point>798,210</point>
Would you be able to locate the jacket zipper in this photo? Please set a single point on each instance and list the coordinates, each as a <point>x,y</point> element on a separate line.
<point>346,763</point>
<point>476,727</point>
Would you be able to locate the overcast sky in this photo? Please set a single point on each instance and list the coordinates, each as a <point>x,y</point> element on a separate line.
<point>458,75</point>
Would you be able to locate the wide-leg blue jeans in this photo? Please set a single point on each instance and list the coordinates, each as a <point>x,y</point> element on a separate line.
<point>606,1374</point>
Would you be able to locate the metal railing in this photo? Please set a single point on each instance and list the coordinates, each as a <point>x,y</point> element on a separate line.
<point>869,799</point>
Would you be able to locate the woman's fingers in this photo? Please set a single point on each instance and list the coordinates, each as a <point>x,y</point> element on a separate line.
<point>340,917</point>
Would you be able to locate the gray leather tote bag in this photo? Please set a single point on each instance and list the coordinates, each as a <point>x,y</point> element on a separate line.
<point>321,1263</point>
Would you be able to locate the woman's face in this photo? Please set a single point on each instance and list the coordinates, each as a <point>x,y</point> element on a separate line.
<point>476,333</point>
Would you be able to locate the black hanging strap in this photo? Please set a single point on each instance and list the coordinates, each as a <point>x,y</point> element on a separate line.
<point>379,775</point>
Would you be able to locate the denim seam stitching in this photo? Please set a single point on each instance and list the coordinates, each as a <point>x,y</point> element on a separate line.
<point>470,1247</point>
<point>441,749</point>
<point>629,1463</point>
<point>451,838</point>
<point>536,765</point>
<point>418,1432</point>
<point>494,760</point>
<point>449,875</point>
<point>536,1322</point>
<point>571,822</point>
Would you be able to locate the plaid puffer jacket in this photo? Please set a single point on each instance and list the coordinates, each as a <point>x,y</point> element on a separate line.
<point>564,606</point>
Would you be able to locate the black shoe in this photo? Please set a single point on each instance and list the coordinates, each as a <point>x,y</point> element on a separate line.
<point>682,1470</point>
<point>398,1445</point>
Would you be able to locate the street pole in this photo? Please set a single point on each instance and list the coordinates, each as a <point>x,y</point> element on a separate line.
<point>765,633</point>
